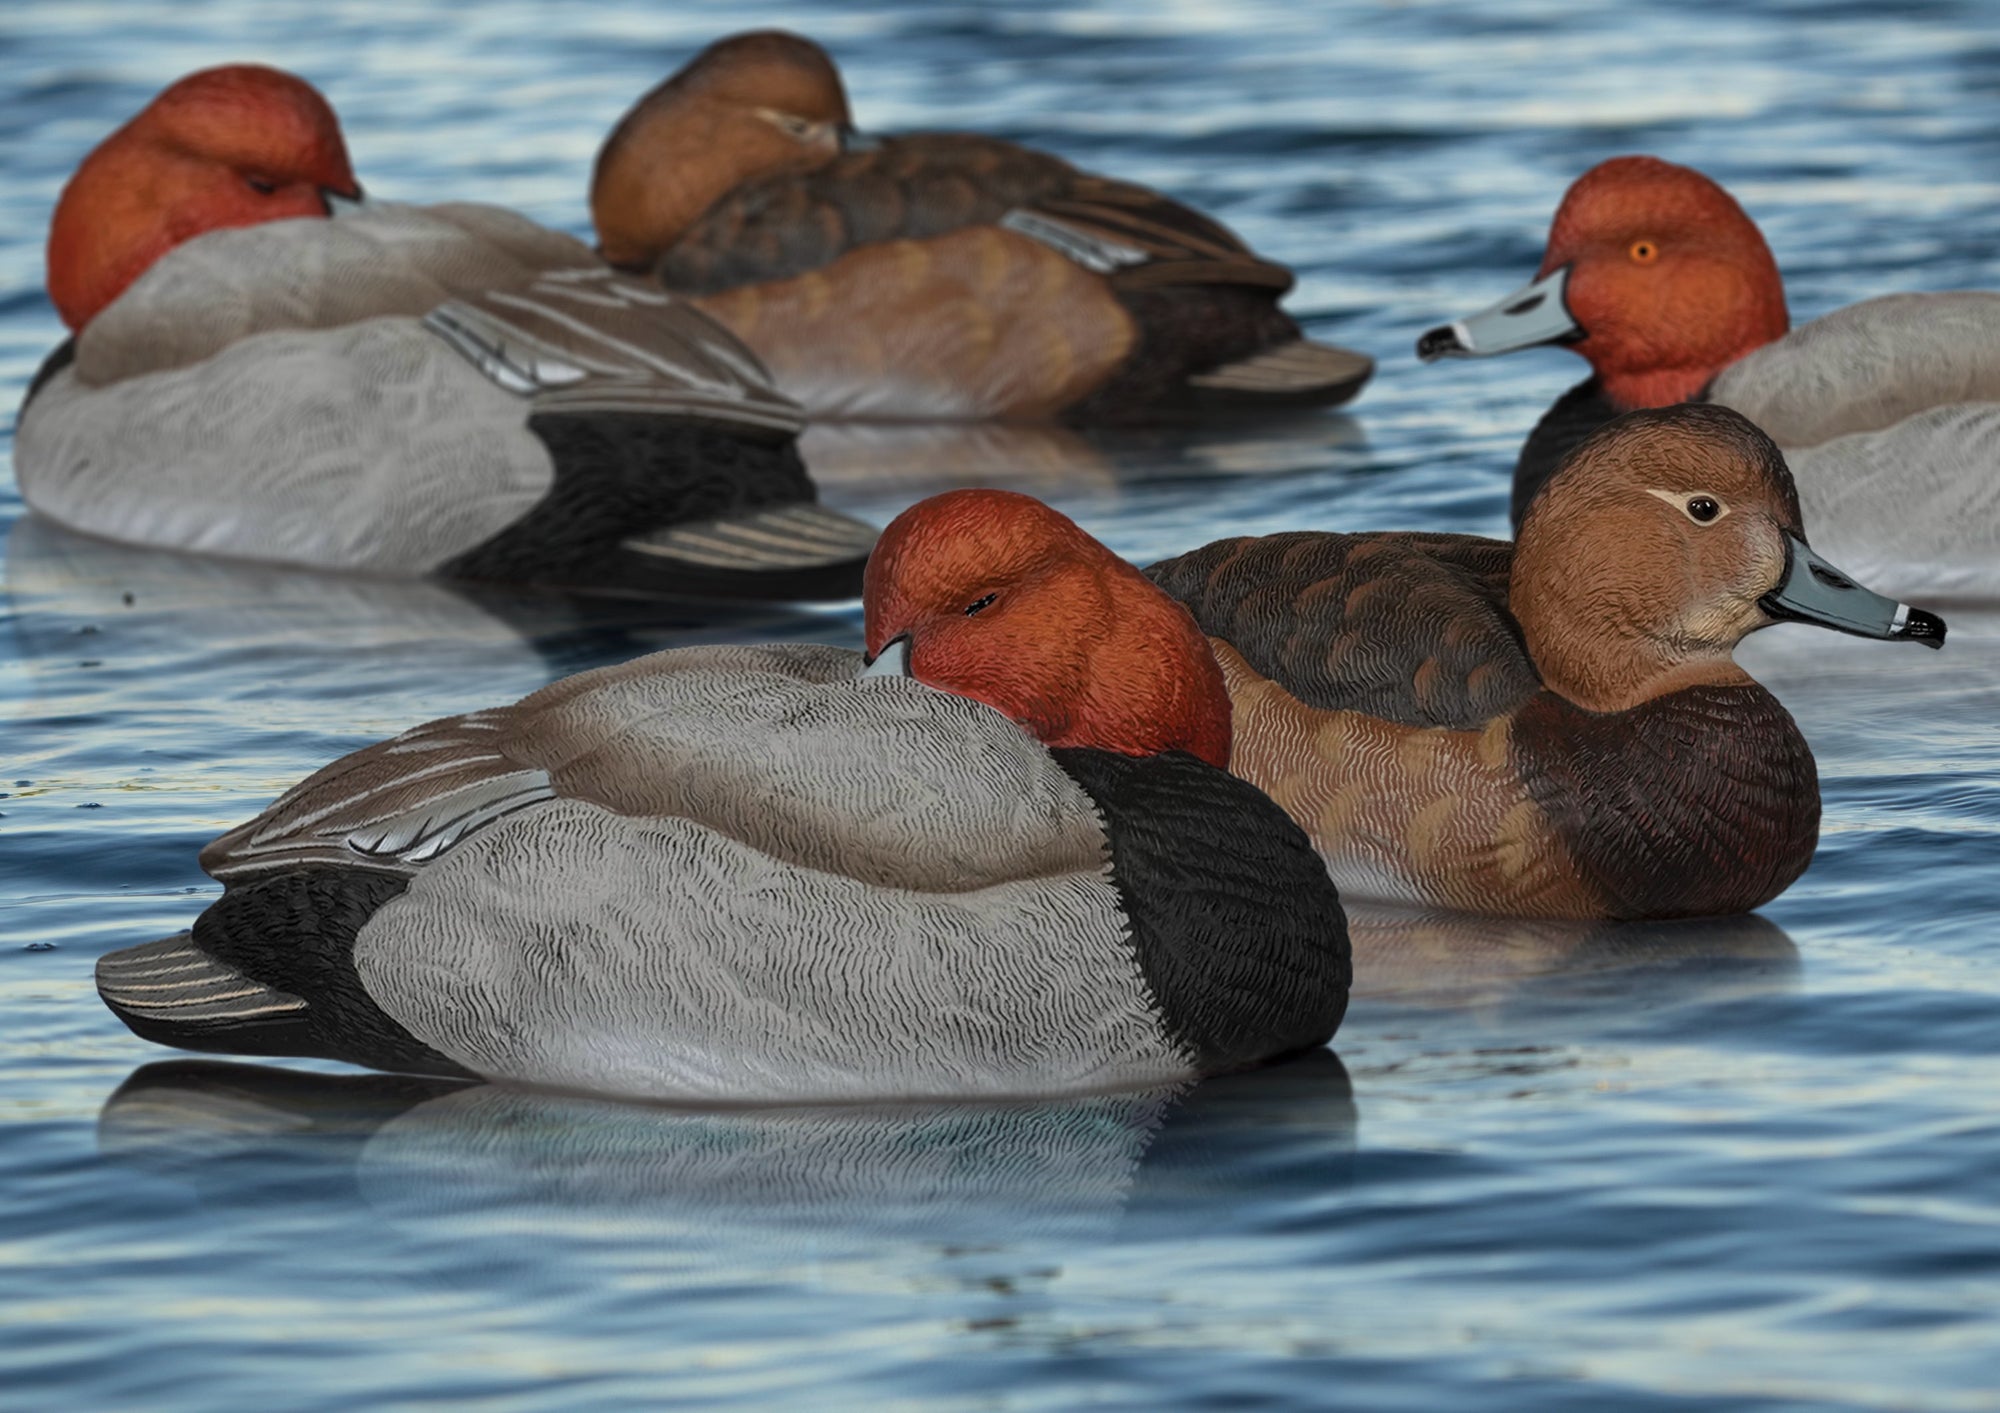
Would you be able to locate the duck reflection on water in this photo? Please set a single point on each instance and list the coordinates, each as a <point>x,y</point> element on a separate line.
<point>183,613</point>
<point>1456,960</point>
<point>872,464</point>
<point>419,1149</point>
<point>1101,1168</point>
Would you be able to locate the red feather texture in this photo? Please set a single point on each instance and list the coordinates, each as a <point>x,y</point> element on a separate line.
<point>226,147</point>
<point>1007,602</point>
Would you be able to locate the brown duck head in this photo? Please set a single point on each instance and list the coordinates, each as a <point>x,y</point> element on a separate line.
<point>1663,541</point>
<point>749,106</point>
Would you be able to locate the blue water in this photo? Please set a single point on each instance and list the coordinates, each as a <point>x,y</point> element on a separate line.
<point>1748,1165</point>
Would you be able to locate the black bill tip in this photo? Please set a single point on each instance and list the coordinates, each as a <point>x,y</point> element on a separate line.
<point>1441,342</point>
<point>1923,627</point>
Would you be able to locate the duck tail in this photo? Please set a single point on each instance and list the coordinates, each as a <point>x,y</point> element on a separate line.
<point>802,550</point>
<point>173,993</point>
<point>1296,374</point>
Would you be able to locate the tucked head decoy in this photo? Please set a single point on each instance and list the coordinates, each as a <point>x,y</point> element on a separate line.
<point>942,275</point>
<point>765,874</point>
<point>446,390</point>
<point>1885,409</point>
<point>995,596</point>
<point>747,107</point>
<point>1555,727</point>
<point>231,146</point>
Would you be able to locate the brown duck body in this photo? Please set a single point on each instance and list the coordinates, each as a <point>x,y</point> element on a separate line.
<point>1385,697</point>
<point>950,275</point>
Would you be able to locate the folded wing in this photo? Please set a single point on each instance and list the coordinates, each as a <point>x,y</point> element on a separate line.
<point>1408,628</point>
<point>927,185</point>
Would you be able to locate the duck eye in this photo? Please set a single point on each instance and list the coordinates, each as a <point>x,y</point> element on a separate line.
<point>262,186</point>
<point>977,605</point>
<point>1644,252</point>
<point>1702,509</point>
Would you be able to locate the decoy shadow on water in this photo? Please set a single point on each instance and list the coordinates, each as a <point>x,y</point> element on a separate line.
<point>1529,969</point>
<point>854,460</point>
<point>163,608</point>
<point>420,1149</point>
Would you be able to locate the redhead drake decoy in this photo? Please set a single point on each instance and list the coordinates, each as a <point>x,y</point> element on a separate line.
<point>1888,410</point>
<point>1554,727</point>
<point>1005,858</point>
<point>261,369</point>
<point>938,276</point>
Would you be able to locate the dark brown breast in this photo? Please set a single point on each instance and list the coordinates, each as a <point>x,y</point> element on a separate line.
<point>1410,628</point>
<point>1700,802</point>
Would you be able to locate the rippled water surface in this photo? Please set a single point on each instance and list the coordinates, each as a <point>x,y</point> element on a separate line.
<point>1750,1165</point>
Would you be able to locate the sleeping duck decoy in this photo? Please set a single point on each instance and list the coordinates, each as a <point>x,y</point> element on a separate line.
<point>260,368</point>
<point>938,276</point>
<point>1554,727</point>
<point>1003,858</point>
<point>1888,411</point>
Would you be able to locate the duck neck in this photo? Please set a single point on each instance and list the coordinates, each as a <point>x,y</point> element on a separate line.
<point>1732,311</point>
<point>1594,648</point>
<point>642,199</point>
<point>1618,677</point>
<point>1154,686</point>
<point>1631,389</point>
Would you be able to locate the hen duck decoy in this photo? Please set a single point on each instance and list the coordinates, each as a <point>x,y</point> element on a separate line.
<point>261,369</point>
<point>938,275</point>
<point>1003,858</point>
<point>1554,727</point>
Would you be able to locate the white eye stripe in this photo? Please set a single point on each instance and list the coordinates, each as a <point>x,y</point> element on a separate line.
<point>790,124</point>
<point>1687,503</point>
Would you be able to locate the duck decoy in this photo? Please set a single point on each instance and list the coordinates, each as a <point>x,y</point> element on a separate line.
<point>939,276</point>
<point>262,368</point>
<point>1554,727</point>
<point>1888,411</point>
<point>1001,858</point>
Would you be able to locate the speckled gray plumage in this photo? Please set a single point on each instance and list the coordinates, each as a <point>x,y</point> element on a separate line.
<point>753,878</point>
<point>1889,414</point>
<point>668,960</point>
<point>272,393</point>
<point>778,746</point>
<point>365,447</point>
<point>1868,366</point>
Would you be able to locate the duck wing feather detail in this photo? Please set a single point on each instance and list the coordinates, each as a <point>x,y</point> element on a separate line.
<point>1408,628</point>
<point>534,310</point>
<point>774,748</point>
<point>931,184</point>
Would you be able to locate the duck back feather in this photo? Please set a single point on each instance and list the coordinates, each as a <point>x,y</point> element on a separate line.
<point>1867,367</point>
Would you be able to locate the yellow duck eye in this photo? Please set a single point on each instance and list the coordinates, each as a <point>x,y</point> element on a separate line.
<point>1644,252</point>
